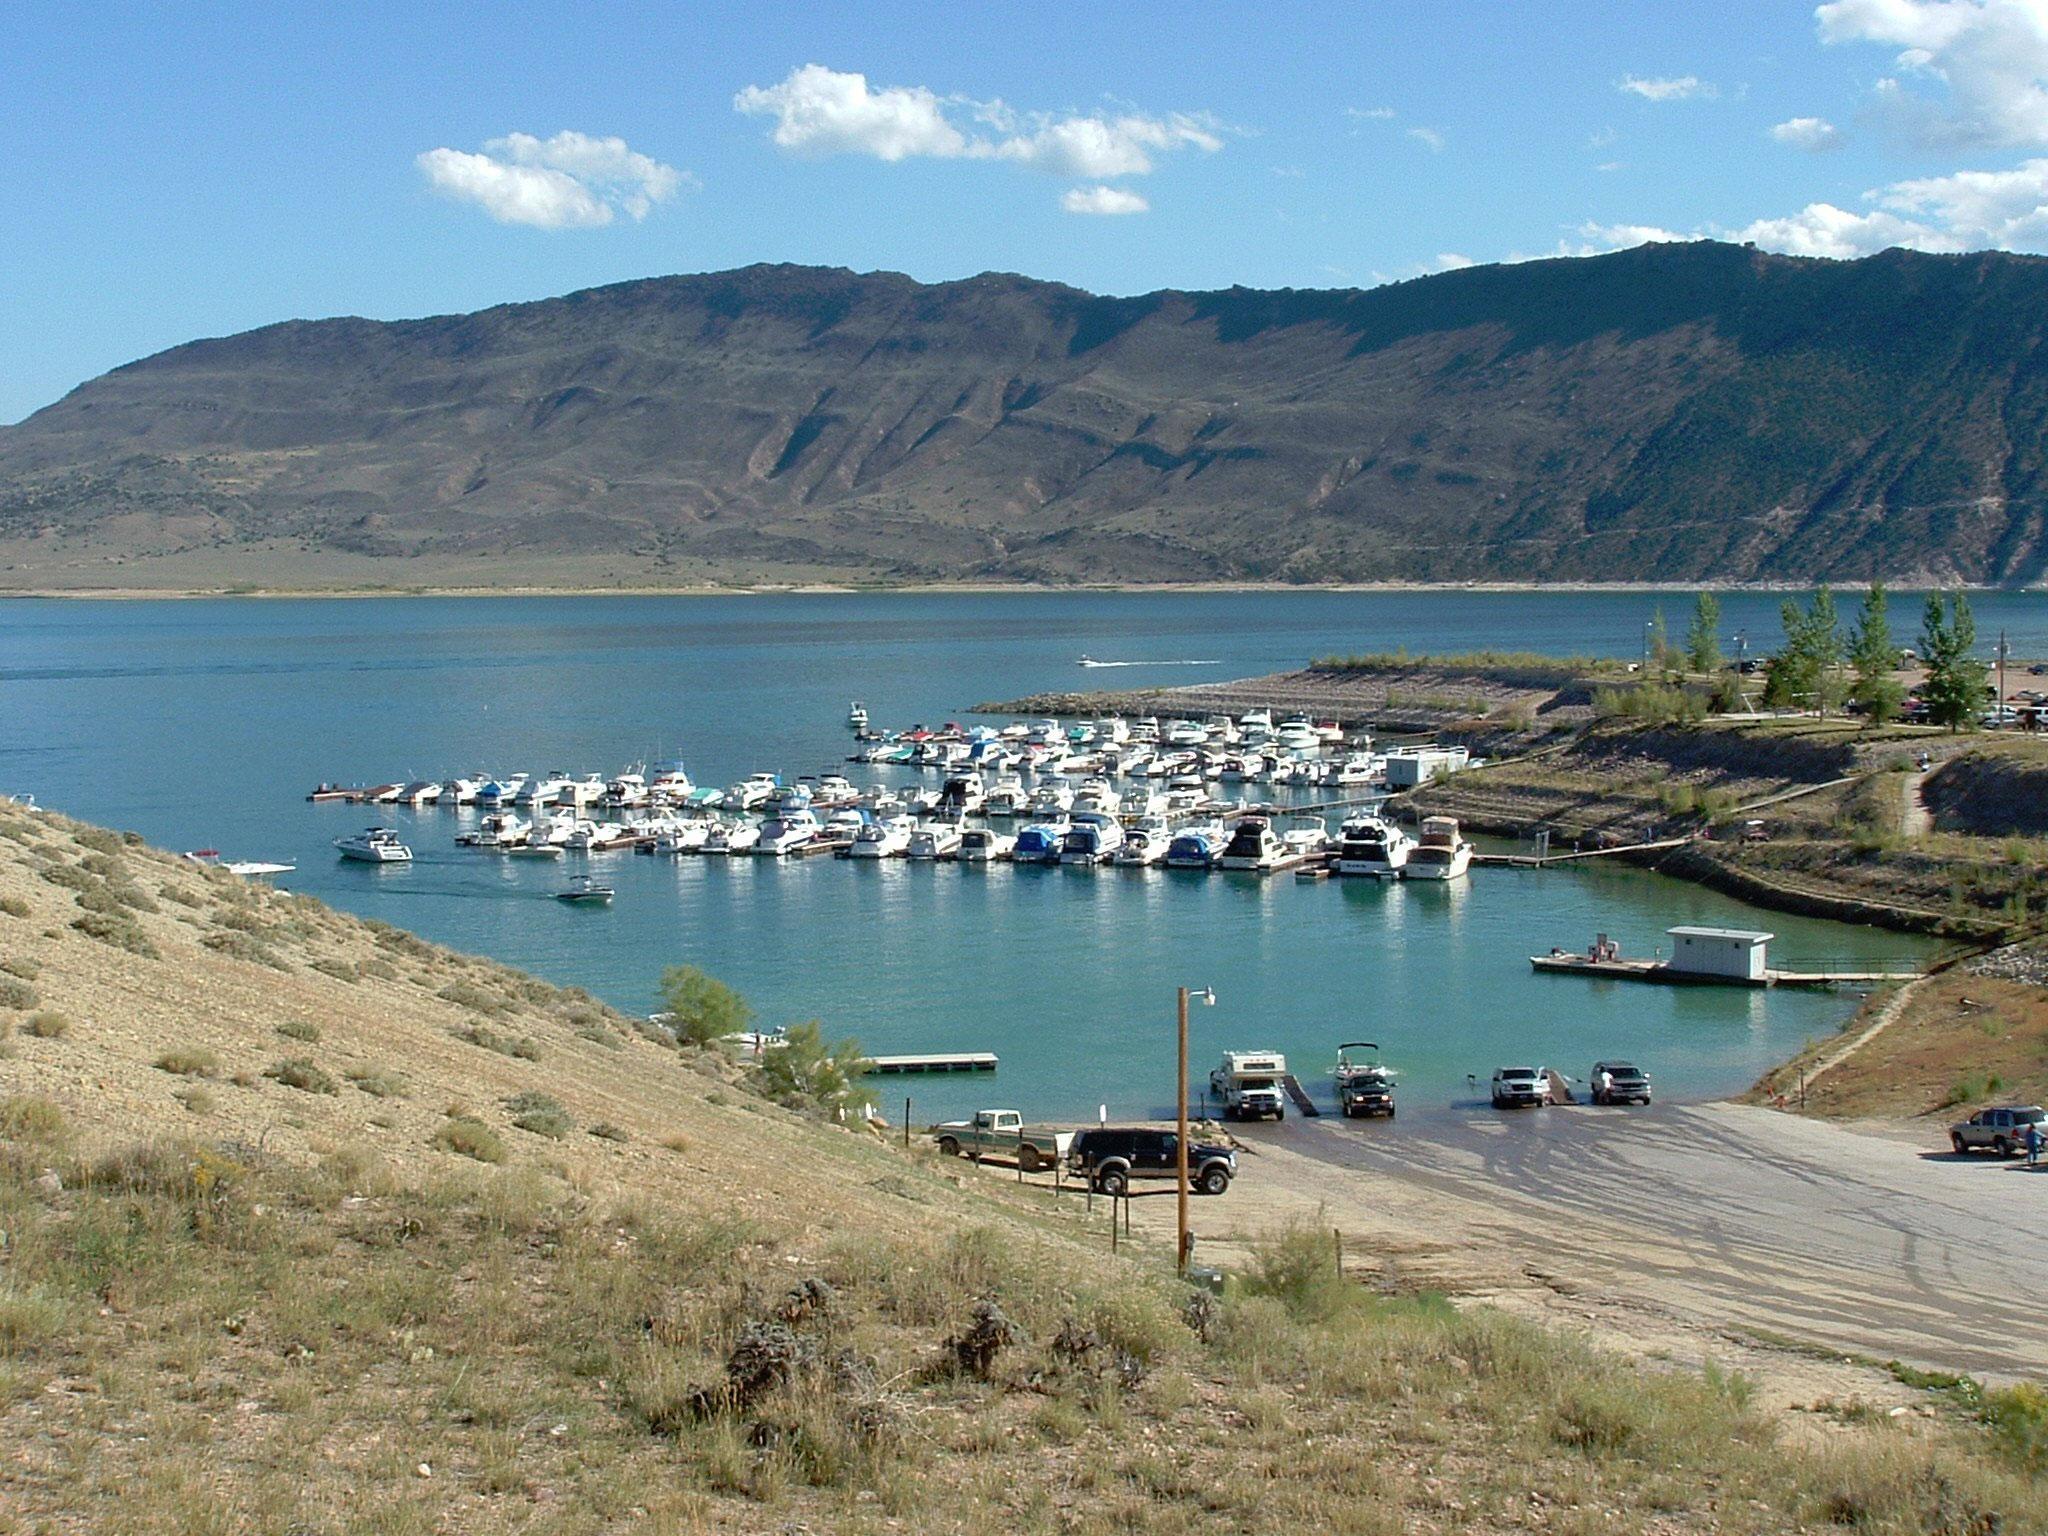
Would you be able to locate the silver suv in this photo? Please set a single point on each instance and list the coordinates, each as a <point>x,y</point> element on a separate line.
<point>2003,1131</point>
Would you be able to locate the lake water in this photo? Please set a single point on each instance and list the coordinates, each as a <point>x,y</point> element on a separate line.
<point>203,723</point>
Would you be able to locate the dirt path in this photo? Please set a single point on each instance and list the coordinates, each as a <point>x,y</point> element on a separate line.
<point>1696,1232</point>
<point>1915,820</point>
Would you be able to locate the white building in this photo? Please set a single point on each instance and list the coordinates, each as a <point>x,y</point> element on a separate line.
<point>1728,954</point>
<point>1409,766</point>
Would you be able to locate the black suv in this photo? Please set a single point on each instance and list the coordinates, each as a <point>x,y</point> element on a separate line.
<point>1110,1157</point>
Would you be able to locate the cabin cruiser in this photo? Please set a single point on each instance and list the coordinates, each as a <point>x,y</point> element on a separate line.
<point>857,715</point>
<point>1093,837</point>
<point>1053,797</point>
<point>682,837</point>
<point>887,838</point>
<point>1370,845</point>
<point>627,790</point>
<point>1146,843</point>
<point>788,798</point>
<point>1256,722</point>
<point>419,792</point>
<point>1111,728</point>
<point>933,840</point>
<point>750,792</point>
<point>787,832</point>
<point>731,837</point>
<point>834,789</point>
<point>980,845</point>
<point>545,789</point>
<point>1440,854</point>
<point>1359,768</point>
<point>595,836</point>
<point>880,800</point>
<point>1040,842</point>
<point>533,851</point>
<point>670,783</point>
<point>586,892</point>
<point>963,795</point>
<point>843,825</point>
<point>1195,847</point>
<point>1252,846</point>
<point>374,845</point>
<point>1096,794</point>
<point>1141,803</point>
<point>499,829</point>
<point>1008,798</point>
<point>1305,835</point>
<point>498,792</point>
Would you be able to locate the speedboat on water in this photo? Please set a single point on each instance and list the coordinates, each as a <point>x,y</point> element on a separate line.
<point>374,845</point>
<point>981,845</point>
<point>586,892</point>
<point>1370,845</point>
<point>1040,843</point>
<point>211,859</point>
<point>1196,847</point>
<point>1093,837</point>
<point>934,840</point>
<point>888,838</point>
<point>1440,854</point>
<point>787,832</point>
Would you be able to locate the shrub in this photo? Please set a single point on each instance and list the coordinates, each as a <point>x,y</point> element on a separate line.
<point>300,1029</point>
<point>468,996</point>
<point>539,1113</point>
<point>606,1131</point>
<point>300,1072</point>
<point>47,1026</point>
<point>16,994</point>
<point>97,840</point>
<point>472,1138</point>
<point>189,1061</point>
<point>22,966</point>
<point>2018,1420</point>
<point>1297,1267</point>
<point>13,906</point>
<point>703,1008</point>
<point>811,1072</point>
<point>25,1117</point>
<point>237,945</point>
<point>378,1082</point>
<point>198,1100</point>
<point>525,1047</point>
<point>121,931</point>
<point>340,970</point>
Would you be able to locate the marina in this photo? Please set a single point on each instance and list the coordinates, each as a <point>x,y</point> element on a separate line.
<point>1047,965</point>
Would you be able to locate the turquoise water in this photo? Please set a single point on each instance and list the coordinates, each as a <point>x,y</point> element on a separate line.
<point>203,723</point>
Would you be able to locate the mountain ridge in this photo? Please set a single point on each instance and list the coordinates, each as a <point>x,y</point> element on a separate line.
<point>1671,413</point>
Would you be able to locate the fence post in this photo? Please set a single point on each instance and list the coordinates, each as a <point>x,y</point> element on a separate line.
<point>1020,1151</point>
<point>1338,1234</point>
<point>906,1122</point>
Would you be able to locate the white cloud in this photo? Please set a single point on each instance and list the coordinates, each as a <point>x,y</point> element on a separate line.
<point>821,111</point>
<point>1370,114</point>
<point>1429,137</point>
<point>1451,261</point>
<point>1667,88</point>
<point>1809,133</point>
<point>1600,138</point>
<point>1606,166</point>
<point>1978,68</point>
<point>571,181</point>
<point>1102,200</point>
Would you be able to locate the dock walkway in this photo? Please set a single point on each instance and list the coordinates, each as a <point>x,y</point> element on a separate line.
<point>943,1061</point>
<point>1299,1094</point>
<point>1662,971</point>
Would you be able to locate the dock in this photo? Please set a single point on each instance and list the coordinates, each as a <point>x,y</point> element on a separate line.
<point>943,1061</point>
<point>1663,972</point>
<point>1544,861</point>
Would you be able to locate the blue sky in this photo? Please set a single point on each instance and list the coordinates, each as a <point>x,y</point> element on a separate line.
<point>188,171</point>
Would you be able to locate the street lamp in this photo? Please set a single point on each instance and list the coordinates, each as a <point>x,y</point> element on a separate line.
<point>1180,1147</point>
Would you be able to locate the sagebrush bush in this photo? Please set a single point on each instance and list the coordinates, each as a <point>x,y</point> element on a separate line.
<point>300,1029</point>
<point>303,1073</point>
<point>378,1082</point>
<point>539,1113</point>
<point>472,1138</point>
<point>13,906</point>
<point>47,1025</point>
<point>189,1061</point>
<point>22,966</point>
<point>16,994</point>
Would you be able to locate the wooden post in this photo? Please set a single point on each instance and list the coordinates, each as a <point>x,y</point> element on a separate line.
<point>1180,1150</point>
<point>906,1122</point>
<point>1338,1234</point>
<point>1020,1151</point>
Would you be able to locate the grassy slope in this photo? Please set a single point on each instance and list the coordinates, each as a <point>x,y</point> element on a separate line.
<point>229,1304</point>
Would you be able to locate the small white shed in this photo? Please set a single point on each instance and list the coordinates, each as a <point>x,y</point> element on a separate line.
<point>1736,954</point>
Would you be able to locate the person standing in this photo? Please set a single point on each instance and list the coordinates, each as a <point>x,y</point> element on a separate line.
<point>2033,1143</point>
<point>1603,1086</point>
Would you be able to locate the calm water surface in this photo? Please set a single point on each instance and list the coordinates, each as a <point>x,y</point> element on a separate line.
<point>203,723</point>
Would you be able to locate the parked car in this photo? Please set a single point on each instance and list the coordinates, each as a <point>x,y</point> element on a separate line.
<point>1626,1083</point>
<point>2003,1131</point>
<point>1112,1157</point>
<point>1514,1087</point>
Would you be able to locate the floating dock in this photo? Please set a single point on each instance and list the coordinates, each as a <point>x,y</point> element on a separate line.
<point>1663,972</point>
<point>1299,1094</point>
<point>944,1061</point>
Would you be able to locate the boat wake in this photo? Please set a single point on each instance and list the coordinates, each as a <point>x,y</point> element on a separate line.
<point>1090,661</point>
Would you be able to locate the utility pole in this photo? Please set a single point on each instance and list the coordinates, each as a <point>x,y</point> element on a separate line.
<point>1180,1143</point>
<point>1999,713</point>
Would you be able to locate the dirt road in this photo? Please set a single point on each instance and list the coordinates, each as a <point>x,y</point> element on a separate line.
<point>1716,1220</point>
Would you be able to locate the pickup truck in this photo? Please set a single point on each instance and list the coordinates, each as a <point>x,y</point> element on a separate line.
<point>1514,1087</point>
<point>1002,1133</point>
<point>1248,1084</point>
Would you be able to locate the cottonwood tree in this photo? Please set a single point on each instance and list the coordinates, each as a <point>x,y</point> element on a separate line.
<point>705,1008</point>
<point>1703,636</point>
<point>1808,668</point>
<point>1954,686</point>
<point>1873,657</point>
<point>807,1071</point>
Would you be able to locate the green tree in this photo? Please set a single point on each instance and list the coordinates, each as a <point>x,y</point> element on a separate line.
<point>1703,636</point>
<point>1657,643</point>
<point>704,1008</point>
<point>1954,686</point>
<point>807,1071</point>
<point>1873,658</point>
<point>1807,672</point>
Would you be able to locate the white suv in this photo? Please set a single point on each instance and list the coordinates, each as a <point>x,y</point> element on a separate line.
<point>2003,1131</point>
<point>1517,1086</point>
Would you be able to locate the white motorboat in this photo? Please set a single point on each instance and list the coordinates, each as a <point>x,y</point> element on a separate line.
<point>595,836</point>
<point>1441,853</point>
<point>962,795</point>
<point>1145,843</point>
<point>789,798</point>
<point>934,840</point>
<point>750,792</point>
<point>588,790</point>
<point>586,892</point>
<point>1040,842</point>
<point>732,837</point>
<point>545,790</point>
<point>1305,835</point>
<point>857,715</point>
<point>787,832</point>
<point>1360,768</point>
<point>834,789</point>
<point>880,800</point>
<point>1196,847</point>
<point>374,845</point>
<point>1252,846</point>
<point>533,851</point>
<point>420,792</point>
<point>494,794</point>
<point>1054,796</point>
<point>1096,794</point>
<point>211,859</point>
<point>670,783</point>
<point>886,838</point>
<point>1370,845</point>
<point>1093,837</point>
<point>682,837</point>
<point>499,829</point>
<point>843,825</point>
<point>983,845</point>
<point>1008,798</point>
<point>626,791</point>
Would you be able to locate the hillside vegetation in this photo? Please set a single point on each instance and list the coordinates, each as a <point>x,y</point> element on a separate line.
<point>1667,413</point>
<point>312,1226</point>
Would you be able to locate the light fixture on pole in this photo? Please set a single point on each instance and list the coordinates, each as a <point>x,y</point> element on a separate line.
<point>1180,1145</point>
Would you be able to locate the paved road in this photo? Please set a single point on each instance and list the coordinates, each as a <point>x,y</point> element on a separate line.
<point>1867,1242</point>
